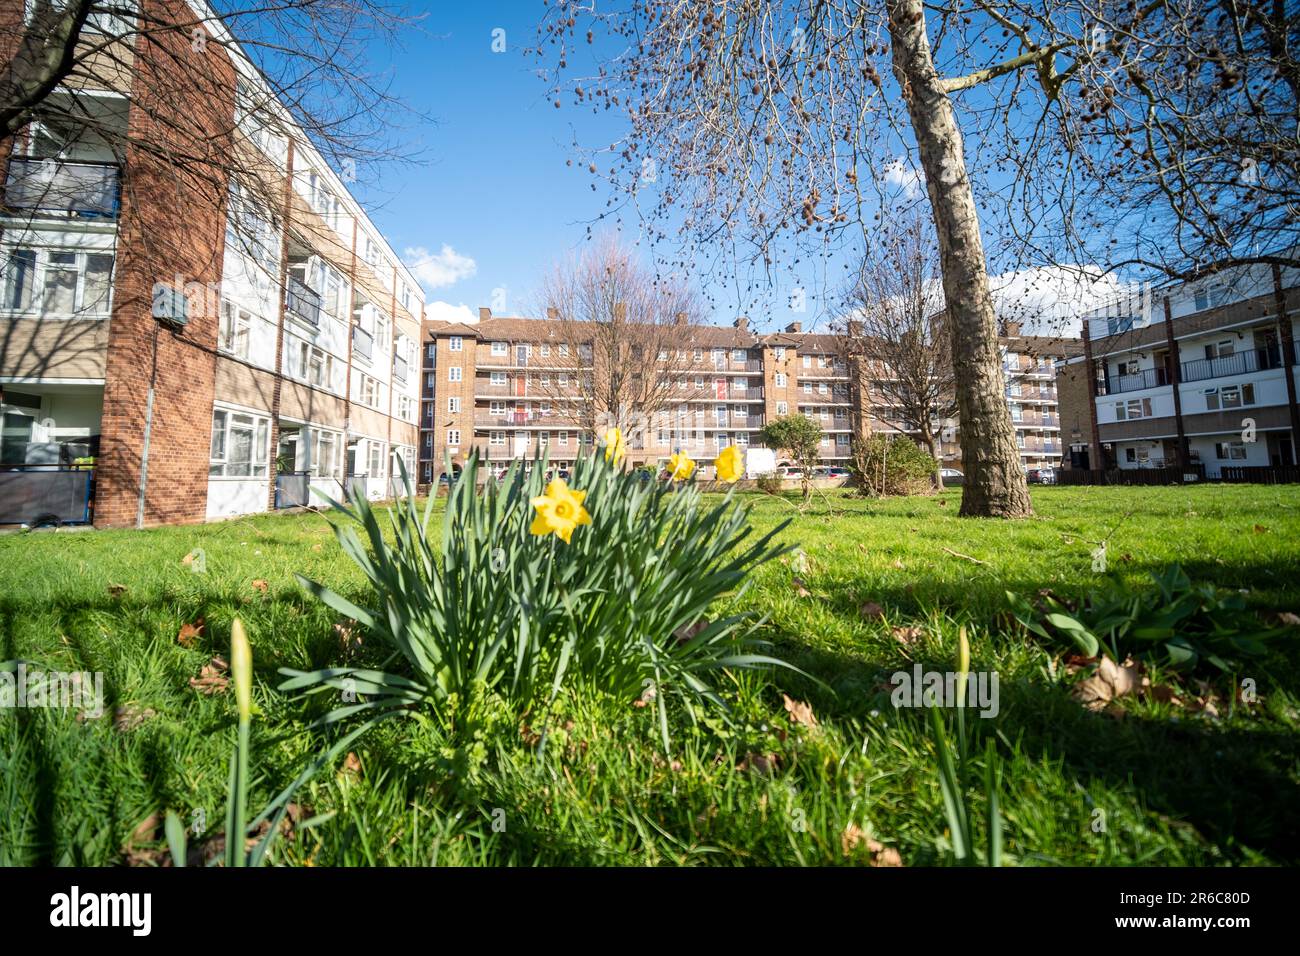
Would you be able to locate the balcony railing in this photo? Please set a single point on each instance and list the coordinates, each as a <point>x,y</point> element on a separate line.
<point>1239,363</point>
<point>1134,382</point>
<point>363,342</point>
<point>302,300</point>
<point>53,187</point>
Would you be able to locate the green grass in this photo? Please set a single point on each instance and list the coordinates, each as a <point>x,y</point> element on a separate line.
<point>1174,788</point>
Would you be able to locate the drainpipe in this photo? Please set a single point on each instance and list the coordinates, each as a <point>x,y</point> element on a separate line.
<point>1090,373</point>
<point>1176,376</point>
<point>148,427</point>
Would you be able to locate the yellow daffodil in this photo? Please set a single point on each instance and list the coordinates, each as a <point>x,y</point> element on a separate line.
<point>730,465</point>
<point>559,510</point>
<point>680,466</point>
<point>614,445</point>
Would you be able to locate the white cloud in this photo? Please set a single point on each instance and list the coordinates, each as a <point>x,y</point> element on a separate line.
<point>446,312</point>
<point>1051,299</point>
<point>438,269</point>
<point>897,172</point>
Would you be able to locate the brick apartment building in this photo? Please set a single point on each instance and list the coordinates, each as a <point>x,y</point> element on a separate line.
<point>1194,375</point>
<point>297,362</point>
<point>499,386</point>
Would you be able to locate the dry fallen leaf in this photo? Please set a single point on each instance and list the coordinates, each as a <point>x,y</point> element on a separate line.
<point>872,611</point>
<point>763,763</point>
<point>850,838</point>
<point>1165,695</point>
<point>352,765</point>
<point>799,588</point>
<point>1289,619</point>
<point>129,717</point>
<point>212,678</point>
<point>117,590</point>
<point>907,636</point>
<point>1110,682</point>
<point>349,639</point>
<point>687,631</point>
<point>882,855</point>
<point>189,632</point>
<point>1260,529</point>
<point>800,711</point>
<point>261,585</point>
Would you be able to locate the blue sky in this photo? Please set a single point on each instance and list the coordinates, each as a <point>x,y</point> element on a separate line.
<point>492,187</point>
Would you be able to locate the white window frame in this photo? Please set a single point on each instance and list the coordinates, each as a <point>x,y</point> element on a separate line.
<point>453,373</point>
<point>258,424</point>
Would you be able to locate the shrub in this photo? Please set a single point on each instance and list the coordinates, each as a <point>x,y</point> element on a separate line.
<point>801,437</point>
<point>886,465</point>
<point>491,608</point>
<point>769,483</point>
<point>1178,624</point>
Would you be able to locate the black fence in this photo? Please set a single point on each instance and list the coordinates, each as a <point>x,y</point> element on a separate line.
<point>1189,475</point>
<point>1260,474</point>
<point>45,496</point>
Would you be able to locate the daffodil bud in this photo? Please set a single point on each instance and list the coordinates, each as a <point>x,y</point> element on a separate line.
<point>241,669</point>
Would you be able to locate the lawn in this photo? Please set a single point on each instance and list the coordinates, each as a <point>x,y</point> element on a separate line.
<point>1147,782</point>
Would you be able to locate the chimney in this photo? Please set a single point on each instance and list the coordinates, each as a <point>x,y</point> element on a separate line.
<point>552,313</point>
<point>680,318</point>
<point>1013,330</point>
<point>484,313</point>
<point>742,323</point>
<point>794,327</point>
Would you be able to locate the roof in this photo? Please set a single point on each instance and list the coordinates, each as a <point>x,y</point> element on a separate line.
<point>1043,345</point>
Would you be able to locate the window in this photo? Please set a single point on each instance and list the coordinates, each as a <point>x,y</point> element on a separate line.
<point>782,408</point>
<point>822,389</point>
<point>823,361</point>
<point>453,404</point>
<point>807,361</point>
<point>497,438</point>
<point>369,391</point>
<point>742,439</point>
<point>699,381</point>
<point>721,413</point>
<point>453,373</point>
<point>778,353</point>
<point>498,378</point>
<point>564,351</point>
<point>563,438</point>
<point>663,355</point>
<point>499,348</point>
<point>455,344</point>
<point>807,388</point>
<point>429,350</point>
<point>842,441</point>
<point>720,439</point>
<point>57,282</point>
<point>405,408</point>
<point>325,458</point>
<point>1210,296</point>
<point>375,459</point>
<point>240,444</point>
<point>1230,396</point>
<point>236,325</point>
<point>497,408</point>
<point>453,436</point>
<point>739,355</point>
<point>780,379</point>
<point>1222,349</point>
<point>698,355</point>
<point>543,439</point>
<point>1134,408</point>
<point>1230,451</point>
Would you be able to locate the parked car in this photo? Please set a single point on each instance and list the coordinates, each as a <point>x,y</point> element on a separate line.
<point>947,473</point>
<point>837,472</point>
<point>789,471</point>
<point>1041,476</point>
<point>821,471</point>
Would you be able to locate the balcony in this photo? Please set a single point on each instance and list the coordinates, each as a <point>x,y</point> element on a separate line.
<point>1134,382</point>
<point>302,300</point>
<point>50,187</point>
<point>1239,363</point>
<point>363,343</point>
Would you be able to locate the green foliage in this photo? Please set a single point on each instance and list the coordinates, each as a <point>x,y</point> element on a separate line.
<point>885,465</point>
<point>492,607</point>
<point>1177,624</point>
<point>769,484</point>
<point>797,434</point>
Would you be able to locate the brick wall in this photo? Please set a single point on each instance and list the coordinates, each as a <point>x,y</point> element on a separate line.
<point>172,224</point>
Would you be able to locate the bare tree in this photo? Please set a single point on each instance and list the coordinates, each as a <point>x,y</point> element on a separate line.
<point>895,327</point>
<point>624,353</point>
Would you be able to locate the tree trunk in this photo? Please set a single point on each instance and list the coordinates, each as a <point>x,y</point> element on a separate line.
<point>994,485</point>
<point>932,443</point>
